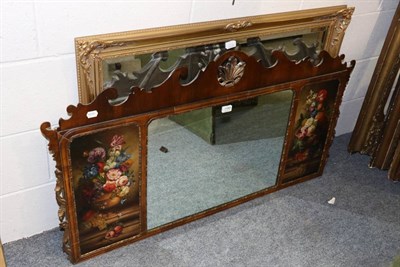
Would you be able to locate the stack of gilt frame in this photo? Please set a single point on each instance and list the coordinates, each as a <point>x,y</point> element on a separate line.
<point>377,132</point>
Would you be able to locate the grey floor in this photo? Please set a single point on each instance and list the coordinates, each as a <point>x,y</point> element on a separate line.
<point>293,227</point>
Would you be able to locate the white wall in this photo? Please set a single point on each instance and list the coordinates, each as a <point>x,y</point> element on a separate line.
<point>38,78</point>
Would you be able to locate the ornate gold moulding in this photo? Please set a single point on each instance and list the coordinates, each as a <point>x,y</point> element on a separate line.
<point>92,52</point>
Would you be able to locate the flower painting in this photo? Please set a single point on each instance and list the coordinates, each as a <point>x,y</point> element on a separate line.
<point>313,118</point>
<point>105,169</point>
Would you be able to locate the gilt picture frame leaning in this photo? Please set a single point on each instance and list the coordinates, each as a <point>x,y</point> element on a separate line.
<point>93,53</point>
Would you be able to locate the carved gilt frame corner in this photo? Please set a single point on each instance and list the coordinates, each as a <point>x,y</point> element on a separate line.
<point>91,51</point>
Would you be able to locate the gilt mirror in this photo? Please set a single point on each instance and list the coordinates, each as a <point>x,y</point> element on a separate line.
<point>146,58</point>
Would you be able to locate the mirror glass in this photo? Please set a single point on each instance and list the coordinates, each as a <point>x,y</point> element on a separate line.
<point>207,157</point>
<point>149,70</point>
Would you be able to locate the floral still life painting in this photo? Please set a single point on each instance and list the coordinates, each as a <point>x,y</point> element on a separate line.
<point>105,168</point>
<point>311,127</point>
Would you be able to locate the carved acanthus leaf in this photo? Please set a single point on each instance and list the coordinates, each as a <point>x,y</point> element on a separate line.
<point>344,16</point>
<point>87,49</point>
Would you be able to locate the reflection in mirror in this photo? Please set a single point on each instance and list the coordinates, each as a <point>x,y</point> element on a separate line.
<point>149,70</point>
<point>207,157</point>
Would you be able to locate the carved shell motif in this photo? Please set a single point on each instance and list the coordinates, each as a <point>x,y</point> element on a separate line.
<point>231,71</point>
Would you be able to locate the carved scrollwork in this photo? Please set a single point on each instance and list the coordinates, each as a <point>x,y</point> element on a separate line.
<point>378,120</point>
<point>63,223</point>
<point>59,190</point>
<point>231,71</point>
<point>343,22</point>
<point>236,26</point>
<point>51,136</point>
<point>374,134</point>
<point>84,50</point>
<point>218,73</point>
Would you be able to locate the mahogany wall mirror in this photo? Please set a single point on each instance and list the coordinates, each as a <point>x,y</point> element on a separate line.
<point>176,153</point>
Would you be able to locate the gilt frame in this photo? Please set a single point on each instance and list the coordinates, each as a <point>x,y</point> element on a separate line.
<point>91,51</point>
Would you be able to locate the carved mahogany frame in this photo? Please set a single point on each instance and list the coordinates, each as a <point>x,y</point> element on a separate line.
<point>172,98</point>
<point>91,51</point>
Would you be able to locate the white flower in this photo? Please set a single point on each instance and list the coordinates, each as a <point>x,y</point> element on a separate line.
<point>124,191</point>
<point>122,181</point>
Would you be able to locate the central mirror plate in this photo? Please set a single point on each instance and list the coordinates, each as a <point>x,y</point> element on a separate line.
<point>207,157</point>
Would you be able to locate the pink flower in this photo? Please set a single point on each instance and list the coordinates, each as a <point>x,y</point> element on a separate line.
<point>110,234</point>
<point>301,133</point>
<point>123,180</point>
<point>113,174</point>
<point>96,154</point>
<point>117,140</point>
